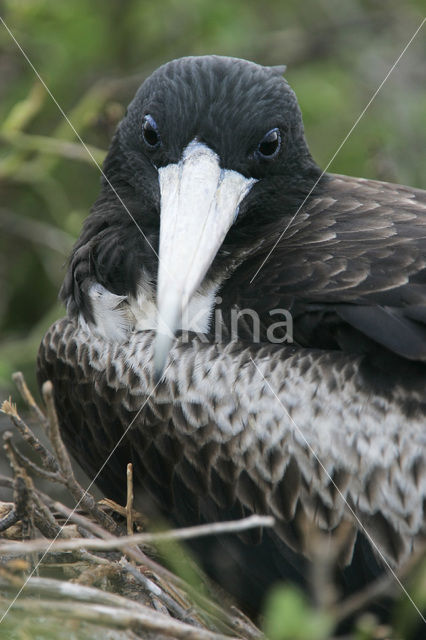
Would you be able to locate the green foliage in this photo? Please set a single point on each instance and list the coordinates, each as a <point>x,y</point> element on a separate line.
<point>288,616</point>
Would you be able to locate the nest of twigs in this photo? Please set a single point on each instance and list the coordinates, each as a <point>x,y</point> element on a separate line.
<point>84,572</point>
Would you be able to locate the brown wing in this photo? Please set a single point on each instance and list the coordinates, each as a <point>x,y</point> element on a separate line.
<point>357,248</point>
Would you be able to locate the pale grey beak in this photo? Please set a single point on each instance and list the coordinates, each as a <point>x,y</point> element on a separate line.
<point>199,203</point>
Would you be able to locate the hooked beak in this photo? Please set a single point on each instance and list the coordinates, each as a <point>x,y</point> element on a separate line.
<point>199,203</point>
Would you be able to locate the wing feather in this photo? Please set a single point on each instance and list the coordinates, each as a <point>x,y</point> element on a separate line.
<point>357,249</point>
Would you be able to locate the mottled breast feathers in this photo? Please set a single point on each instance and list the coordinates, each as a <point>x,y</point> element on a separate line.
<point>252,442</point>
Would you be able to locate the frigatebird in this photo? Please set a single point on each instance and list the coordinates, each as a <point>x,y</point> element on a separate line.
<point>212,209</point>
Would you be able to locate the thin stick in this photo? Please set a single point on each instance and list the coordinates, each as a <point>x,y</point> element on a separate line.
<point>22,485</point>
<point>9,408</point>
<point>85,499</point>
<point>80,520</point>
<point>137,517</point>
<point>54,433</point>
<point>29,465</point>
<point>19,380</point>
<point>27,502</point>
<point>185,533</point>
<point>9,519</point>
<point>129,502</point>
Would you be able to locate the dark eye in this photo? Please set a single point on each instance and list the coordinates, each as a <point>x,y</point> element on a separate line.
<point>150,132</point>
<point>270,145</point>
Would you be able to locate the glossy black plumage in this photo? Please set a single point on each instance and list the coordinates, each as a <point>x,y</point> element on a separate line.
<point>350,268</point>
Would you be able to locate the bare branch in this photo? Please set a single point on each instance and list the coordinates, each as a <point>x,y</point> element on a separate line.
<point>27,396</point>
<point>10,519</point>
<point>137,517</point>
<point>29,465</point>
<point>83,522</point>
<point>48,460</point>
<point>186,533</point>
<point>81,496</point>
<point>129,502</point>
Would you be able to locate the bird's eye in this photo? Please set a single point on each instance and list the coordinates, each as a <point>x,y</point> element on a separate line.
<point>150,132</point>
<point>270,145</point>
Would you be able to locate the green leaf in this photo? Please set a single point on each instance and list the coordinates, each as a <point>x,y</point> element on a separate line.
<point>288,616</point>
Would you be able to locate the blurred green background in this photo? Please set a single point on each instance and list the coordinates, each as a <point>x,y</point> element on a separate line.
<point>93,55</point>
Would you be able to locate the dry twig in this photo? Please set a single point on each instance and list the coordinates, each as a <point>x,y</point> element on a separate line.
<point>122,542</point>
<point>129,502</point>
<point>81,496</point>
<point>26,394</point>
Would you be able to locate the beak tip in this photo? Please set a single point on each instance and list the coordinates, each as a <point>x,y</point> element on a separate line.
<point>161,351</point>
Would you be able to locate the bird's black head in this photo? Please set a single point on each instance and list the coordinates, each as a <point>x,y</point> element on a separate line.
<point>209,146</point>
<point>246,113</point>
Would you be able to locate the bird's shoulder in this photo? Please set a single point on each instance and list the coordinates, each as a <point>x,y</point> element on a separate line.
<point>353,251</point>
